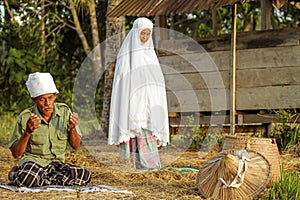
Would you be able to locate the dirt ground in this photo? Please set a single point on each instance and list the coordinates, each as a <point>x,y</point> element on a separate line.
<point>159,184</point>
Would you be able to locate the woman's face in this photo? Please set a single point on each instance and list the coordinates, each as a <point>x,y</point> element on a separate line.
<point>145,35</point>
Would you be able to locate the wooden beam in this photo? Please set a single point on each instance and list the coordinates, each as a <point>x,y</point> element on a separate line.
<point>272,97</point>
<point>214,22</point>
<point>161,22</point>
<point>260,58</point>
<point>224,119</point>
<point>246,78</point>
<point>259,98</point>
<point>198,100</point>
<point>266,8</point>
<point>245,40</point>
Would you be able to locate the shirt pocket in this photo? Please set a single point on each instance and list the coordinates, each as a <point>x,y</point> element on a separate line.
<point>38,143</point>
<point>59,144</point>
<point>61,136</point>
<point>38,138</point>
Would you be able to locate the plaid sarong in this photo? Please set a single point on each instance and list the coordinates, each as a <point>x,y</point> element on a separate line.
<point>31,174</point>
<point>143,151</point>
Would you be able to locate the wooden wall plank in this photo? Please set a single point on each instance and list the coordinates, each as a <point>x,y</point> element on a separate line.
<point>251,78</point>
<point>245,40</point>
<point>197,81</point>
<point>259,98</point>
<point>198,100</point>
<point>273,97</point>
<point>246,78</point>
<point>198,62</point>
<point>220,61</point>
<point>269,57</point>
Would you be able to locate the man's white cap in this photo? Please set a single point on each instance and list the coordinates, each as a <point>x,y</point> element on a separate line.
<point>40,83</point>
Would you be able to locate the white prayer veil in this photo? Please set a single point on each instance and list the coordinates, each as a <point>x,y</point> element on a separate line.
<point>138,98</point>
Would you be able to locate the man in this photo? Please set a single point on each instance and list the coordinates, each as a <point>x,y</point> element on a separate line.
<point>40,139</point>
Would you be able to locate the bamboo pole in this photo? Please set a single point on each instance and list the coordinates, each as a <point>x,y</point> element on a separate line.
<point>233,71</point>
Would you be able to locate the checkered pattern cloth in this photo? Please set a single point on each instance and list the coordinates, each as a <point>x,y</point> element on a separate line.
<point>142,150</point>
<point>31,174</point>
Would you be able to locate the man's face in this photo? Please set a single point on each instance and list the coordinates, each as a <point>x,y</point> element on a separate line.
<point>144,35</point>
<point>45,103</point>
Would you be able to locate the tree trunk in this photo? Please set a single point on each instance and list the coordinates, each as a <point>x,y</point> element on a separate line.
<point>78,28</point>
<point>97,59</point>
<point>94,23</point>
<point>43,37</point>
<point>114,26</point>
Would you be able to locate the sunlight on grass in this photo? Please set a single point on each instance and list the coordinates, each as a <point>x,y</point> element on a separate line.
<point>288,187</point>
<point>7,123</point>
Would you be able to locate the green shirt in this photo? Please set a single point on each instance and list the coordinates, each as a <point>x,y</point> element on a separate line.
<point>48,142</point>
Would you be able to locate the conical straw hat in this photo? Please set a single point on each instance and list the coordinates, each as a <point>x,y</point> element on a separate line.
<point>218,179</point>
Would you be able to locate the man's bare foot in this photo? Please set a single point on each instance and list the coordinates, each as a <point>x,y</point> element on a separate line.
<point>11,172</point>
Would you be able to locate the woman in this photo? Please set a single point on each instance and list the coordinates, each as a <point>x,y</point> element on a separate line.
<point>138,111</point>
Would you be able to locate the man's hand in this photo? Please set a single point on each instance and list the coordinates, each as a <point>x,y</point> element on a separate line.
<point>18,148</point>
<point>33,123</point>
<point>74,139</point>
<point>74,120</point>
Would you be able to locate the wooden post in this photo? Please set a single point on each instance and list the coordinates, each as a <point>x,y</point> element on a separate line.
<point>233,71</point>
<point>265,14</point>
<point>163,24</point>
<point>214,22</point>
<point>114,26</point>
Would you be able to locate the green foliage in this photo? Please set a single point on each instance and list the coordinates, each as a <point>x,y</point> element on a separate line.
<point>16,65</point>
<point>199,136</point>
<point>287,16</point>
<point>199,23</point>
<point>286,133</point>
<point>248,16</point>
<point>7,123</point>
<point>287,188</point>
<point>195,25</point>
<point>24,52</point>
<point>196,134</point>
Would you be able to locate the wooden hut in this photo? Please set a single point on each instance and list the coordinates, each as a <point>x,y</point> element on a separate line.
<point>266,71</point>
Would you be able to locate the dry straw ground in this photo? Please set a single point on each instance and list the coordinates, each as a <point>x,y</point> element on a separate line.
<point>160,184</point>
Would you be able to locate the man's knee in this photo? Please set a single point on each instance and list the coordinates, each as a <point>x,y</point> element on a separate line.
<point>27,175</point>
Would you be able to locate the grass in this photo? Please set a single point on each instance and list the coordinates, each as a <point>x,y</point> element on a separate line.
<point>287,188</point>
<point>7,123</point>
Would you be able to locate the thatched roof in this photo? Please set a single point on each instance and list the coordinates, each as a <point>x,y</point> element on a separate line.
<point>166,7</point>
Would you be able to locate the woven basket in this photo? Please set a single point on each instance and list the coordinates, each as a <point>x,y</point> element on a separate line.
<point>266,146</point>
